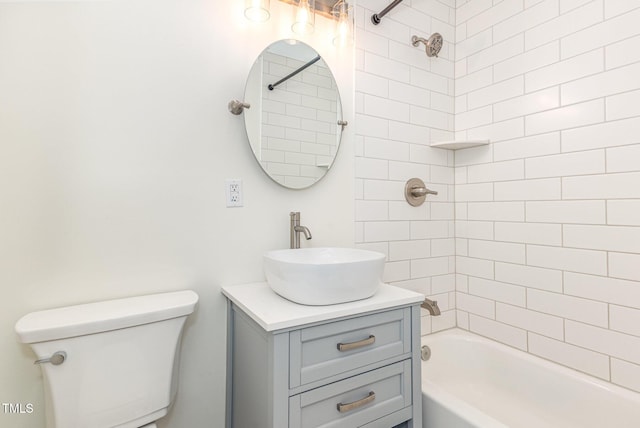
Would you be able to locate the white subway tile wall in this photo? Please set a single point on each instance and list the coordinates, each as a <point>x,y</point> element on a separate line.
<point>547,217</point>
<point>404,101</point>
<point>533,240</point>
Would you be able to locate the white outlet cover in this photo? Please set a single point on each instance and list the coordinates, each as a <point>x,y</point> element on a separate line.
<point>233,192</point>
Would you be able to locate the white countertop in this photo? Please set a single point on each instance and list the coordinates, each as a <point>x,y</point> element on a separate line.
<point>273,312</point>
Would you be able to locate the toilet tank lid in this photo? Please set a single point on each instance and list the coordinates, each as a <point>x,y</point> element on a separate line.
<point>89,318</point>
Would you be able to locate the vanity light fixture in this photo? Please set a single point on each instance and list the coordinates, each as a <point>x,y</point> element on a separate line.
<point>343,14</point>
<point>256,10</point>
<point>304,18</point>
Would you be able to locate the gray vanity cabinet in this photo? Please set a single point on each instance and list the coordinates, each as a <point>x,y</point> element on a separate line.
<point>346,372</point>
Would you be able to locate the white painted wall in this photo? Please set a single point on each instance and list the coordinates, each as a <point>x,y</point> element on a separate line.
<point>115,141</point>
<point>548,215</point>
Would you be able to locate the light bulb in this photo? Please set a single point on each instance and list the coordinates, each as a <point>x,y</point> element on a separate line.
<point>304,18</point>
<point>256,10</point>
<point>342,32</point>
<point>344,24</point>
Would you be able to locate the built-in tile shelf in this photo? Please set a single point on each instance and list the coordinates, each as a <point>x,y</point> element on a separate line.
<point>457,145</point>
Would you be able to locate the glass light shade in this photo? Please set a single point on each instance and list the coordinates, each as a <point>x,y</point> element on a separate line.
<point>343,32</point>
<point>256,10</point>
<point>304,18</point>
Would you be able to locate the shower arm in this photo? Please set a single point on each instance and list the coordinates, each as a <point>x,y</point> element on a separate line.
<point>376,17</point>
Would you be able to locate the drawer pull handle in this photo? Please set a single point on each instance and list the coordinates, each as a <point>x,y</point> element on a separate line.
<point>347,407</point>
<point>342,347</point>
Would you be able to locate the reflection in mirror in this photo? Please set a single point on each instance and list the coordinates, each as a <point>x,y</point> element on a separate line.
<point>294,129</point>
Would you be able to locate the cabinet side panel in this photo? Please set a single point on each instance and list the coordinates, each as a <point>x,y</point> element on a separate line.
<point>250,375</point>
<point>279,380</point>
<point>228,419</point>
<point>416,363</point>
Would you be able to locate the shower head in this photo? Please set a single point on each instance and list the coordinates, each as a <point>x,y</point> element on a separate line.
<point>432,45</point>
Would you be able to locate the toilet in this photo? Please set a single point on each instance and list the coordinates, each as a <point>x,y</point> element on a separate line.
<point>110,364</point>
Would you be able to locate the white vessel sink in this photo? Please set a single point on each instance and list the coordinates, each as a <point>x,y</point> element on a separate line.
<point>324,276</point>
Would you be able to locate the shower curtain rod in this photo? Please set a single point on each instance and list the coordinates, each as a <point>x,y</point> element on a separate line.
<point>293,73</point>
<point>375,18</point>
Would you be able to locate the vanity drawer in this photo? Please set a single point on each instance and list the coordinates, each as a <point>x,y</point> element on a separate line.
<point>330,349</point>
<point>354,401</point>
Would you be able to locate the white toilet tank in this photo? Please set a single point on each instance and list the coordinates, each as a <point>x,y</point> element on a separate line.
<point>120,356</point>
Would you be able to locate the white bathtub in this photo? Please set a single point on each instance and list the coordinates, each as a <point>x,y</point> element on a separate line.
<point>470,381</point>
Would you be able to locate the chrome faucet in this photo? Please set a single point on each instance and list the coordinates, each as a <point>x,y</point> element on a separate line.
<point>296,228</point>
<point>431,306</point>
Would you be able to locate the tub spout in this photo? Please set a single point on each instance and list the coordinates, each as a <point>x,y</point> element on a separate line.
<point>431,306</point>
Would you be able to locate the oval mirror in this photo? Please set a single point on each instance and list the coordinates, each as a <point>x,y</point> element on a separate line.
<point>295,121</point>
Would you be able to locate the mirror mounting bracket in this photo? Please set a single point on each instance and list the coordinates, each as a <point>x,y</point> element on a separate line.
<point>237,107</point>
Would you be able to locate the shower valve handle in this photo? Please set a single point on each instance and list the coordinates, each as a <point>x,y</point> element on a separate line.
<point>422,191</point>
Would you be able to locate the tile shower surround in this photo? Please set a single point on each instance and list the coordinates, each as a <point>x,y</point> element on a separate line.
<point>534,240</point>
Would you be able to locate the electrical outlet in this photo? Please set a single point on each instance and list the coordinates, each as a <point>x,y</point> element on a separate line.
<point>233,192</point>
